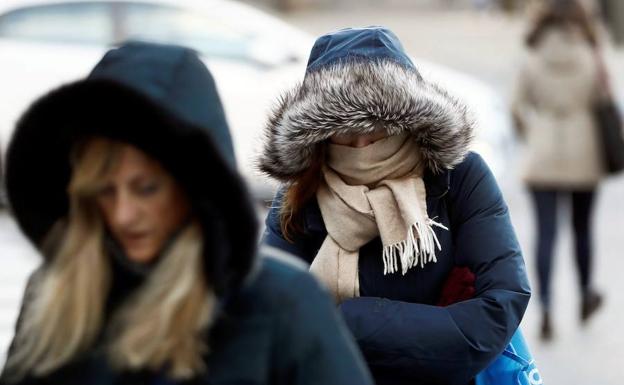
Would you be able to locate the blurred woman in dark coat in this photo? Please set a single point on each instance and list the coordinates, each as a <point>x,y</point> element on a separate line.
<point>126,182</point>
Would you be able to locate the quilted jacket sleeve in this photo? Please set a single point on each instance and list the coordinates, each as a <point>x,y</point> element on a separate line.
<point>450,345</point>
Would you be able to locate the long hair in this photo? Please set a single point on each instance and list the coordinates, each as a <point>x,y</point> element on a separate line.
<point>558,14</point>
<point>298,193</point>
<point>161,324</point>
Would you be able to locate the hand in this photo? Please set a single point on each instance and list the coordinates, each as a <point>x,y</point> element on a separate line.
<point>459,286</point>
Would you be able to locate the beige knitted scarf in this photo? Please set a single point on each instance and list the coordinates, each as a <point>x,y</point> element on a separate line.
<point>367,192</point>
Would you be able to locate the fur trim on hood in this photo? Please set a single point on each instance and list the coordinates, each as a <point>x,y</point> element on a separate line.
<point>358,96</point>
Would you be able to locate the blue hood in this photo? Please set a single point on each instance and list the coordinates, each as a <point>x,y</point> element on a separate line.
<point>368,43</point>
<point>175,79</point>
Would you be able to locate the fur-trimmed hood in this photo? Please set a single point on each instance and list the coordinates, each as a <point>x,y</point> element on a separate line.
<point>358,80</point>
<point>163,100</point>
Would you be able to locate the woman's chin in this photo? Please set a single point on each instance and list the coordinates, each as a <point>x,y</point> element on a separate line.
<point>140,255</point>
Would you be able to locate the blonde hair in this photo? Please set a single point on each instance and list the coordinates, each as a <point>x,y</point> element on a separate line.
<point>162,323</point>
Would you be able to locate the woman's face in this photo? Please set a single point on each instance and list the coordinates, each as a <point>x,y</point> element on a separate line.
<point>141,204</point>
<point>358,140</point>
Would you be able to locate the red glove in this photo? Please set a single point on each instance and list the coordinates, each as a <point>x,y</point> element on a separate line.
<point>459,286</point>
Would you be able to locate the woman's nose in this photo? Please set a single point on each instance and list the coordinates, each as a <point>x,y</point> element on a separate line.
<point>361,141</point>
<point>125,210</point>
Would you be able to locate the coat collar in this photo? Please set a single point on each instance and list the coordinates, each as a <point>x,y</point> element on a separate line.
<point>437,185</point>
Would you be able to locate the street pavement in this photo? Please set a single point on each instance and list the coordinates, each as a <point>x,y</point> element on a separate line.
<point>487,47</point>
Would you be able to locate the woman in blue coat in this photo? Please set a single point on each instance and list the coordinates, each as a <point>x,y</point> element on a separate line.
<point>383,199</point>
<point>126,183</point>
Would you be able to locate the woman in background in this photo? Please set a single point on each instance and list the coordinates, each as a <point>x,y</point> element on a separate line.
<point>557,88</point>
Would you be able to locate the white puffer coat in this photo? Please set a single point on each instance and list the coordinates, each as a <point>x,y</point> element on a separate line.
<point>555,91</point>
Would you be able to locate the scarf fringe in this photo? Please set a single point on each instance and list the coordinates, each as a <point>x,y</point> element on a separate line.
<point>418,249</point>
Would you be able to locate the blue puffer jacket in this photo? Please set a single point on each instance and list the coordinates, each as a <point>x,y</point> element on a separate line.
<point>405,338</point>
<point>359,80</point>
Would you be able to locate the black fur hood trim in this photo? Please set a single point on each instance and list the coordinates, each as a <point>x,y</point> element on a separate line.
<point>163,100</point>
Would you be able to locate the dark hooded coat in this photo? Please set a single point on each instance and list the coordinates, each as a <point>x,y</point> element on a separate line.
<point>275,325</point>
<point>356,80</point>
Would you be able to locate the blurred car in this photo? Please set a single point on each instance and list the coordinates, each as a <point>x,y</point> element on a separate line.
<point>253,56</point>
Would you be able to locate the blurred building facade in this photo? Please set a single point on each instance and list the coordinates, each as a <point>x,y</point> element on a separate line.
<point>612,11</point>
<point>297,5</point>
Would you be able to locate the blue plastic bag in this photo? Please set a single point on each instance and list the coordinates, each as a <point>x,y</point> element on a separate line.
<point>515,366</point>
